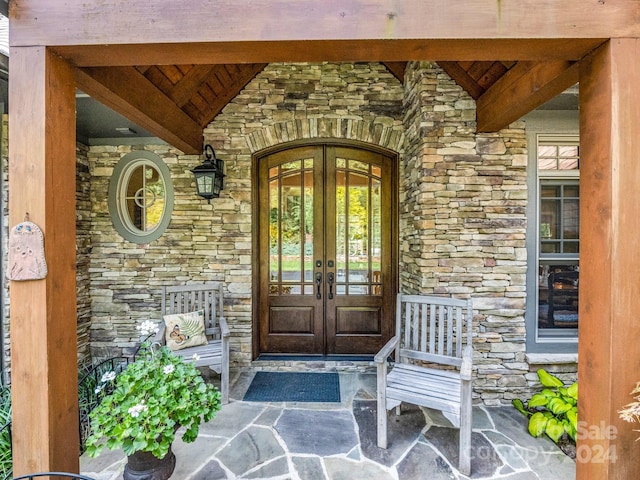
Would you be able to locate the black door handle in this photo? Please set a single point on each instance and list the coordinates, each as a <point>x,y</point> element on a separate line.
<point>318,284</point>
<point>330,277</point>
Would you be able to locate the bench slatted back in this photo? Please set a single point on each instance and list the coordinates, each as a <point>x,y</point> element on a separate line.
<point>189,298</point>
<point>433,329</point>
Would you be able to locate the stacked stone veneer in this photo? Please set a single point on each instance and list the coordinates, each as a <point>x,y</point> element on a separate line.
<point>461,221</point>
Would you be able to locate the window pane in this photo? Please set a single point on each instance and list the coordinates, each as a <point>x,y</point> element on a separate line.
<point>549,191</point>
<point>568,164</point>
<point>154,198</point>
<point>547,164</point>
<point>558,296</point>
<point>571,217</point>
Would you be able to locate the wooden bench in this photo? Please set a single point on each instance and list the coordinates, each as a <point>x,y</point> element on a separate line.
<point>431,333</point>
<point>209,299</point>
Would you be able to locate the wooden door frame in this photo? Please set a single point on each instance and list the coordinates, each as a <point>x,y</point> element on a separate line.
<point>255,220</point>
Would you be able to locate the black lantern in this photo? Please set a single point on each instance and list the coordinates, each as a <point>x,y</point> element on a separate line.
<point>209,175</point>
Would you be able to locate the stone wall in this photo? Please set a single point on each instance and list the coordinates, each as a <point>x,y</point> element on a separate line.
<point>462,210</point>
<point>204,242</point>
<point>463,222</point>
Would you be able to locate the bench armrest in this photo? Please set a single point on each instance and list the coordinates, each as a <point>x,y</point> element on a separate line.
<point>467,362</point>
<point>224,328</point>
<point>159,337</point>
<point>385,351</point>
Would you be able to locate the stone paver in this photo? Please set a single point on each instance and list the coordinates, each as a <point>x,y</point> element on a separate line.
<point>298,441</point>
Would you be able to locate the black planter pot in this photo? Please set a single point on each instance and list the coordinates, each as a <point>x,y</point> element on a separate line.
<point>146,466</point>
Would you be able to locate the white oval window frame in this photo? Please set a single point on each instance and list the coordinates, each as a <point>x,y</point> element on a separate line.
<point>121,175</point>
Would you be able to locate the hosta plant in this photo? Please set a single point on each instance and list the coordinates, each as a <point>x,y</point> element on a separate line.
<point>553,411</point>
<point>153,397</point>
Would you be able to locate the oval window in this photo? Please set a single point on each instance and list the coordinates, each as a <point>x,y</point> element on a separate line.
<point>140,197</point>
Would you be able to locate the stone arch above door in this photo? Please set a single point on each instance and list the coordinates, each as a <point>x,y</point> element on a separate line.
<point>382,134</point>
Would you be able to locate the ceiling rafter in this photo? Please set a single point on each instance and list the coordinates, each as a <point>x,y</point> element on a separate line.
<point>524,87</point>
<point>127,91</point>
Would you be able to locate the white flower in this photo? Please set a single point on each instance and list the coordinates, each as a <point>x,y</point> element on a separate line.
<point>136,410</point>
<point>168,369</point>
<point>108,377</point>
<point>147,328</point>
<point>98,390</point>
<point>195,357</point>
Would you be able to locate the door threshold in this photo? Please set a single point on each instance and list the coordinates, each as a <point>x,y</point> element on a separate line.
<point>271,357</point>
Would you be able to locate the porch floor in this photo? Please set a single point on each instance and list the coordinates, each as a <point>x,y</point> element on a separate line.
<point>338,441</point>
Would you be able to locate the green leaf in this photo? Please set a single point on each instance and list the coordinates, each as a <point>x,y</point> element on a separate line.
<point>538,400</point>
<point>537,424</point>
<point>549,380</point>
<point>572,391</point>
<point>554,429</point>
<point>517,403</point>
<point>572,416</point>
<point>558,406</point>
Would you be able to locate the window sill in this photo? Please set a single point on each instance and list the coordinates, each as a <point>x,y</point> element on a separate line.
<point>551,358</point>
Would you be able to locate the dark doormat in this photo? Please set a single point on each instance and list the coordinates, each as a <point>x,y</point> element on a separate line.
<point>293,387</point>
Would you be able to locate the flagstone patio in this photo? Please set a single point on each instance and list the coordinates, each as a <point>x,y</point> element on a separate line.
<point>338,441</point>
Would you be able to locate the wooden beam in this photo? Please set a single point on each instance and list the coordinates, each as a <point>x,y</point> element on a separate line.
<point>42,183</point>
<point>129,93</point>
<point>462,78</point>
<point>331,51</point>
<point>397,69</point>
<point>609,364</point>
<point>526,86</point>
<point>78,22</point>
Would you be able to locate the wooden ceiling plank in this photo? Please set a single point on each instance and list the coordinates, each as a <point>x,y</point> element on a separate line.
<point>478,69</point>
<point>78,22</point>
<point>489,77</point>
<point>526,86</point>
<point>330,51</point>
<point>157,77</point>
<point>462,78</point>
<point>129,93</point>
<point>190,83</point>
<point>231,90</point>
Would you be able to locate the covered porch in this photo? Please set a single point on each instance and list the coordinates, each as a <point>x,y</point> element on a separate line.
<point>336,440</point>
<point>106,47</point>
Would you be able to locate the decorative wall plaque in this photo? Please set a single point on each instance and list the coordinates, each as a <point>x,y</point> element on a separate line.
<point>26,252</point>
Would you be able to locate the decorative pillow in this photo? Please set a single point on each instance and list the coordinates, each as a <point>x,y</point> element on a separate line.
<point>185,330</point>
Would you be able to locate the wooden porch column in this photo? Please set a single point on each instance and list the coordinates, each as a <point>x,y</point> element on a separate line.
<point>43,312</point>
<point>609,346</point>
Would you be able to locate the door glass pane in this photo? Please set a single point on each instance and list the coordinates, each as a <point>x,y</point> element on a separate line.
<point>274,233</point>
<point>358,229</point>
<point>376,237</point>
<point>291,218</point>
<point>341,228</point>
<point>308,222</point>
<point>291,227</point>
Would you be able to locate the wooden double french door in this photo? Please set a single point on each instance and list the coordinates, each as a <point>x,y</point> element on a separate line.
<point>326,253</point>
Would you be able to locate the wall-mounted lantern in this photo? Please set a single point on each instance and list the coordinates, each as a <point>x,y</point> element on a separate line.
<point>210,175</point>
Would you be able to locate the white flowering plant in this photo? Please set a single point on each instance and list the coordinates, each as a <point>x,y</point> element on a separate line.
<point>154,396</point>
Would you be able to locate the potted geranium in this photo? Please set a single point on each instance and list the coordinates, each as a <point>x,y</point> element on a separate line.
<point>147,402</point>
